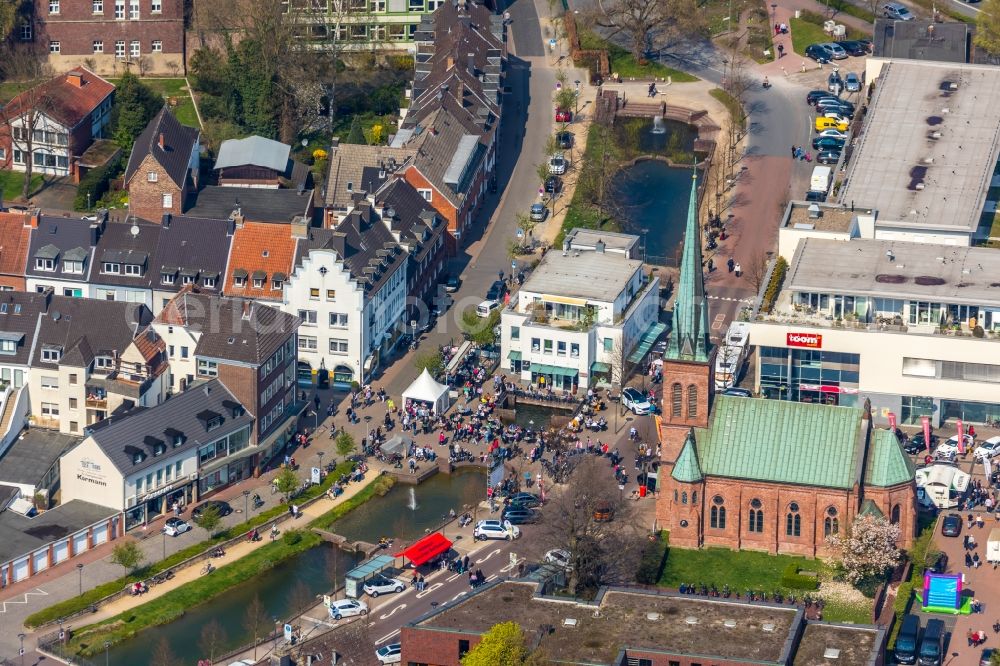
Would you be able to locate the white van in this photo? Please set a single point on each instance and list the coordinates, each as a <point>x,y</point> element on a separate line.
<point>821,178</point>
<point>486,307</point>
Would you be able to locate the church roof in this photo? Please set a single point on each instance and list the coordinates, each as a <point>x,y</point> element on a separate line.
<point>869,508</point>
<point>782,442</point>
<point>686,468</point>
<point>887,464</point>
<point>688,339</point>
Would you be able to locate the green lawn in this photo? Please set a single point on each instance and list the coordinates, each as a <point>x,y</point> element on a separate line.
<point>740,570</point>
<point>847,8</point>
<point>176,88</point>
<point>11,183</point>
<point>731,104</point>
<point>805,33</point>
<point>625,65</point>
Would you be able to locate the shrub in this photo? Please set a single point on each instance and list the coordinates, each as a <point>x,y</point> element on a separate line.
<point>292,537</point>
<point>774,286</point>
<point>899,608</point>
<point>654,558</point>
<point>792,579</point>
<point>96,183</point>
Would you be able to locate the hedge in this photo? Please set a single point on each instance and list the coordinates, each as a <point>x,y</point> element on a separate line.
<point>792,579</point>
<point>96,183</point>
<point>95,595</point>
<point>654,558</point>
<point>774,286</point>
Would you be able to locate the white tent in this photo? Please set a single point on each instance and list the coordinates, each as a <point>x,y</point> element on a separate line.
<point>425,389</point>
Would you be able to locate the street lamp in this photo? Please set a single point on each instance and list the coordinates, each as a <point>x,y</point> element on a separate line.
<point>321,454</point>
<point>107,646</point>
<point>368,426</point>
<point>79,568</point>
<point>577,84</point>
<point>246,510</point>
<point>164,533</point>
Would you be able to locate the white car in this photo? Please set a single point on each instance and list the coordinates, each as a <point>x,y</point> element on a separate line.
<point>557,165</point>
<point>389,654</point>
<point>175,527</point>
<point>558,557</point>
<point>383,585</point>
<point>833,133</point>
<point>637,402</point>
<point>988,449</point>
<point>495,529</point>
<point>950,448</point>
<point>347,608</point>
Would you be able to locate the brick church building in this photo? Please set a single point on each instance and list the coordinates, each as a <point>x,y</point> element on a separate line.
<point>756,474</point>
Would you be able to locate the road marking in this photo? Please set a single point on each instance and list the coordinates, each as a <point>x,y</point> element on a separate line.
<point>962,4</point>
<point>458,596</point>
<point>38,592</point>
<point>489,578</point>
<point>392,612</point>
<point>386,637</point>
<point>421,595</point>
<point>452,577</point>
<point>483,559</point>
<point>315,621</point>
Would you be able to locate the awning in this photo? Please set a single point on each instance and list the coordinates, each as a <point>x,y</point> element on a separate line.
<point>597,366</point>
<point>565,300</point>
<point>646,342</point>
<point>555,370</point>
<point>426,549</point>
<point>514,355</point>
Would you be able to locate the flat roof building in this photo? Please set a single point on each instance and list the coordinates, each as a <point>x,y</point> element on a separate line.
<point>929,149</point>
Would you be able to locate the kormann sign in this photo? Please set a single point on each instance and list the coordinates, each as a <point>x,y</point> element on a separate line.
<point>810,340</point>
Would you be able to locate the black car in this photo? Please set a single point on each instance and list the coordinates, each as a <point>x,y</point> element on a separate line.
<point>814,96</point>
<point>497,291</point>
<point>828,157</point>
<point>832,100</point>
<point>819,53</point>
<point>918,445</point>
<point>951,525</point>
<point>221,507</point>
<point>564,140</point>
<point>827,143</point>
<point>813,195</point>
<point>452,284</point>
<point>937,562</point>
<point>737,392</point>
<point>834,106</point>
<point>856,47</point>
<point>518,516</point>
<point>529,500</point>
<point>553,185</point>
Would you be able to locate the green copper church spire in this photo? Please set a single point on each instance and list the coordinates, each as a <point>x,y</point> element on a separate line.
<point>689,336</point>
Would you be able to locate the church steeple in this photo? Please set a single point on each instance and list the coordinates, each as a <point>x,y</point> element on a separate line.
<point>689,336</point>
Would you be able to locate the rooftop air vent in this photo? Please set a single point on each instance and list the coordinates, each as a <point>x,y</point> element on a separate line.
<point>652,616</point>
<point>814,211</point>
<point>953,85</point>
<point>928,160</point>
<point>935,135</point>
<point>691,620</point>
<point>919,186</point>
<point>768,627</point>
<point>831,653</point>
<point>729,624</point>
<point>569,622</point>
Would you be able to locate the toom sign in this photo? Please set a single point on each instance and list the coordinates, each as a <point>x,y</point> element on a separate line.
<point>810,340</point>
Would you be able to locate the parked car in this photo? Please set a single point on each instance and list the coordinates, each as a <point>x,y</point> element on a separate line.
<point>520,515</point>
<point>529,500</point>
<point>564,115</point>
<point>453,283</point>
<point>564,140</point>
<point>496,291</point>
<point>897,11</point>
<point>383,585</point>
<point>834,106</point>
<point>486,308</point>
<point>558,557</point>
<point>852,82</point>
<point>557,165</point>
<point>222,507</point>
<point>495,529</point>
<point>950,448</point>
<point>604,512</point>
<point>951,525</point>
<point>937,562</point>
<point>822,123</point>
<point>389,654</point>
<point>347,607</point>
<point>819,53</point>
<point>988,449</point>
<point>553,185</point>
<point>834,83</point>
<point>175,527</point>
<point>835,133</point>
<point>828,157</point>
<point>856,47</point>
<point>836,50</point>
<point>986,656</point>
<point>917,443</point>
<point>636,401</point>
<point>814,96</point>
<point>814,195</point>
<point>737,392</point>
<point>539,212</point>
<point>827,143</point>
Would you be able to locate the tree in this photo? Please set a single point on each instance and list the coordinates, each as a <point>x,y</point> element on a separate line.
<point>566,99</point>
<point>209,519</point>
<point>299,597</point>
<point>356,135</point>
<point>756,270</point>
<point>135,105</point>
<point>988,28</point>
<point>618,361</point>
<point>255,621</point>
<point>479,329</point>
<point>213,637</point>
<point>431,360</point>
<point>345,443</point>
<point>600,554</point>
<point>28,112</point>
<point>868,550</point>
<point>525,224</point>
<point>638,21</point>
<point>163,655</point>
<point>287,482</point>
<point>127,555</point>
<point>502,645</point>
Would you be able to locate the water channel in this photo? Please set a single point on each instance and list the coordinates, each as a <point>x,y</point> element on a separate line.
<point>406,513</point>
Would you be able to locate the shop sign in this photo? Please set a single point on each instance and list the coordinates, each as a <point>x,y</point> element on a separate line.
<point>91,472</point>
<point>808,340</point>
<point>155,493</point>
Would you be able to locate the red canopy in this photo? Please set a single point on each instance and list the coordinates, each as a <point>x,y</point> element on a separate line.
<point>426,549</point>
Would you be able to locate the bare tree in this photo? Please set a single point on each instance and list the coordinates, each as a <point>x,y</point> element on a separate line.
<point>756,270</point>
<point>639,21</point>
<point>213,636</point>
<point>618,360</point>
<point>300,597</point>
<point>28,115</point>
<point>590,519</point>
<point>255,621</point>
<point>162,654</point>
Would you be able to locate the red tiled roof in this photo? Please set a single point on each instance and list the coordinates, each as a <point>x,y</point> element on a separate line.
<point>62,100</point>
<point>264,247</point>
<point>15,236</point>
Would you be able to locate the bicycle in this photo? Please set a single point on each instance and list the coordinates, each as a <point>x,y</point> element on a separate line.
<point>207,569</point>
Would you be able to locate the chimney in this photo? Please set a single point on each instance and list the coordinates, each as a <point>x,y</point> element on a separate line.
<point>599,246</point>
<point>48,297</point>
<point>75,79</point>
<point>247,310</point>
<point>162,142</point>
<point>33,217</point>
<point>95,234</point>
<point>450,63</point>
<point>236,217</point>
<point>460,94</point>
<point>300,227</point>
<point>471,63</point>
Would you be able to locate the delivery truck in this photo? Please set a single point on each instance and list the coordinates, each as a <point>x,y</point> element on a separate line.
<point>821,178</point>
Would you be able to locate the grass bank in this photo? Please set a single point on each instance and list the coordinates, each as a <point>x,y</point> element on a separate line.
<point>741,570</point>
<point>93,596</point>
<point>809,30</point>
<point>623,63</point>
<point>377,488</point>
<point>175,93</point>
<point>732,106</point>
<point>11,183</point>
<point>90,640</point>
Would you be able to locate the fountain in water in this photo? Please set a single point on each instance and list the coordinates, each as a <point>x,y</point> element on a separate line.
<point>658,127</point>
<point>412,503</point>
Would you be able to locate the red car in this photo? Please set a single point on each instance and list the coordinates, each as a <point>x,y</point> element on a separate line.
<point>563,116</point>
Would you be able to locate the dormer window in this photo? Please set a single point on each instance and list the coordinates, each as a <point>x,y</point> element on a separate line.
<point>45,264</point>
<point>159,450</point>
<point>258,283</point>
<point>137,457</point>
<point>111,268</point>
<point>276,284</point>
<point>168,278</point>
<point>8,347</point>
<point>213,423</point>
<point>209,282</point>
<point>188,279</point>
<point>239,281</point>
<point>133,269</point>
<point>103,362</point>
<point>75,267</point>
<point>51,354</point>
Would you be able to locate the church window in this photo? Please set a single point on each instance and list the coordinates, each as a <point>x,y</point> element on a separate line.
<point>756,521</point>
<point>675,400</point>
<point>684,498</point>
<point>694,497</point>
<point>831,523</point>
<point>692,406</point>
<point>894,515</point>
<point>717,514</point>
<point>793,521</point>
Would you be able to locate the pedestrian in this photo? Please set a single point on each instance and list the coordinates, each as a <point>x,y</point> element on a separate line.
<point>795,152</point>
<point>739,270</point>
<point>422,583</point>
<point>968,560</point>
<point>968,637</point>
<point>781,50</point>
<point>177,508</point>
